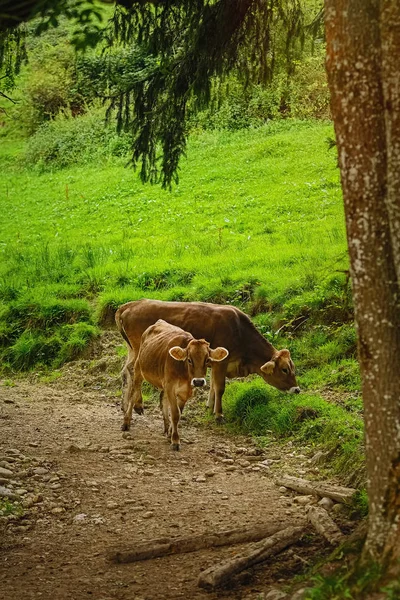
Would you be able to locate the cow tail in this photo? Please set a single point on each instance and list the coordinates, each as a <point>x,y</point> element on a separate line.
<point>120,326</point>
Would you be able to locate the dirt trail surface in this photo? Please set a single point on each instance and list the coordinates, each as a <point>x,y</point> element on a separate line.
<point>88,490</point>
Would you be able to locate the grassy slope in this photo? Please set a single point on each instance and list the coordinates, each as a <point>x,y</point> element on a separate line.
<point>257,220</point>
<point>251,206</point>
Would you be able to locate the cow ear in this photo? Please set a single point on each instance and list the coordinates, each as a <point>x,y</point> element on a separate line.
<point>218,354</point>
<point>268,368</point>
<point>282,353</point>
<point>178,353</point>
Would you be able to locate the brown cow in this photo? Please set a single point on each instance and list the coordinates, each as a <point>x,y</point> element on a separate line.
<point>249,351</point>
<point>174,362</point>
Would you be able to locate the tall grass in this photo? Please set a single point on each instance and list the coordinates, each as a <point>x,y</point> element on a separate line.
<point>256,220</point>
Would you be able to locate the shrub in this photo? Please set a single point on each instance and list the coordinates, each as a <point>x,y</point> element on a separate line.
<point>65,141</point>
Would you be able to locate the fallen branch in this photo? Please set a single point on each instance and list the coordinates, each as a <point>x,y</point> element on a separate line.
<point>318,488</point>
<point>163,546</point>
<point>323,523</point>
<point>217,575</point>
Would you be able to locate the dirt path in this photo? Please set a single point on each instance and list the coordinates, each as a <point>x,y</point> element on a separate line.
<point>88,490</point>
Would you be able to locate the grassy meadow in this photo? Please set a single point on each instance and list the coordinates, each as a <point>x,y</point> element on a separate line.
<point>256,220</point>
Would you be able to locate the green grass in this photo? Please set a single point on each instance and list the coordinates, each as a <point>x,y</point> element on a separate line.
<point>307,419</point>
<point>256,220</point>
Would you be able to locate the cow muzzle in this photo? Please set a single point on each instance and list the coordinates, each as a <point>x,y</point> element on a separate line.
<point>200,382</point>
<point>294,390</point>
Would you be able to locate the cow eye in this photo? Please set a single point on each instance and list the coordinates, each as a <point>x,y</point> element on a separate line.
<point>190,361</point>
<point>286,371</point>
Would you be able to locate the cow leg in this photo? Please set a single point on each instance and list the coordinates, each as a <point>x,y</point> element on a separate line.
<point>175,416</point>
<point>211,394</point>
<point>218,383</point>
<point>164,408</point>
<point>127,377</point>
<point>135,396</point>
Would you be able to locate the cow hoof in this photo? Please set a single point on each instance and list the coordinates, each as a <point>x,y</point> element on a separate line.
<point>138,409</point>
<point>175,446</point>
<point>220,419</point>
<point>125,427</point>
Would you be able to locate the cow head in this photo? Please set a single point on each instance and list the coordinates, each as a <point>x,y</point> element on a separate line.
<point>280,373</point>
<point>198,356</point>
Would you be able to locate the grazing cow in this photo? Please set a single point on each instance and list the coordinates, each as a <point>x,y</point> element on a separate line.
<point>175,362</point>
<point>249,351</point>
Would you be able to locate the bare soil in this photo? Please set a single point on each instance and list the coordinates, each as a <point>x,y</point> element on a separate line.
<point>88,490</point>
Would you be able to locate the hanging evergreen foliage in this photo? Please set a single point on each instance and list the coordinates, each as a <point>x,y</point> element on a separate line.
<point>187,43</point>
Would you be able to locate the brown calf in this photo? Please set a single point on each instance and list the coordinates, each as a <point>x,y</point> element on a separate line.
<point>175,362</point>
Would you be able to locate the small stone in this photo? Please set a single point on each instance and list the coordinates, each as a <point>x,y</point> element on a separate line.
<point>209,474</point>
<point>326,503</point>
<point>7,493</point>
<point>244,463</point>
<point>21,491</point>
<point>256,469</point>
<point>74,448</point>
<point>6,473</point>
<point>40,471</point>
<point>227,461</point>
<point>127,435</point>
<point>231,468</point>
<point>13,452</point>
<point>55,486</point>
<point>148,473</point>
<point>300,594</point>
<point>112,504</point>
<point>57,510</point>
<point>200,479</point>
<point>253,452</point>
<point>148,514</point>
<point>33,444</point>
<point>276,595</point>
<point>303,500</point>
<point>79,518</point>
<point>283,489</point>
<point>224,497</point>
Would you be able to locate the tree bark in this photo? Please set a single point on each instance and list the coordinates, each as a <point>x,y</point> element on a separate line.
<point>325,526</point>
<point>318,488</point>
<point>363,43</point>
<point>217,575</point>
<point>164,546</point>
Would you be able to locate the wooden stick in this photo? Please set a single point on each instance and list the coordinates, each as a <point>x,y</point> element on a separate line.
<point>217,575</point>
<point>323,523</point>
<point>164,546</point>
<point>319,488</point>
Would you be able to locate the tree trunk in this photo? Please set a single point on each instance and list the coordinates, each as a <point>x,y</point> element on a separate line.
<point>363,49</point>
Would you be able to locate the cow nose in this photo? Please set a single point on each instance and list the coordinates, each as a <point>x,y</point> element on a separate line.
<point>198,382</point>
<point>294,390</point>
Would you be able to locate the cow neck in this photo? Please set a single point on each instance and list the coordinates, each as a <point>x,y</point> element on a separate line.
<point>258,350</point>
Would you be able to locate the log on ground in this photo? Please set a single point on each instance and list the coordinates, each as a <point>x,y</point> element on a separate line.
<point>323,523</point>
<point>164,546</point>
<point>218,575</point>
<point>318,488</point>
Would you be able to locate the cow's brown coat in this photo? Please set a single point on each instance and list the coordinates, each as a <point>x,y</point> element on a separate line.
<point>227,326</point>
<point>172,360</point>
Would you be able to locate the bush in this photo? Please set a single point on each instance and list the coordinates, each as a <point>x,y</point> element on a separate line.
<point>65,141</point>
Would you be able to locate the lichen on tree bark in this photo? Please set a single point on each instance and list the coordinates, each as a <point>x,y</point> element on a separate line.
<point>364,83</point>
